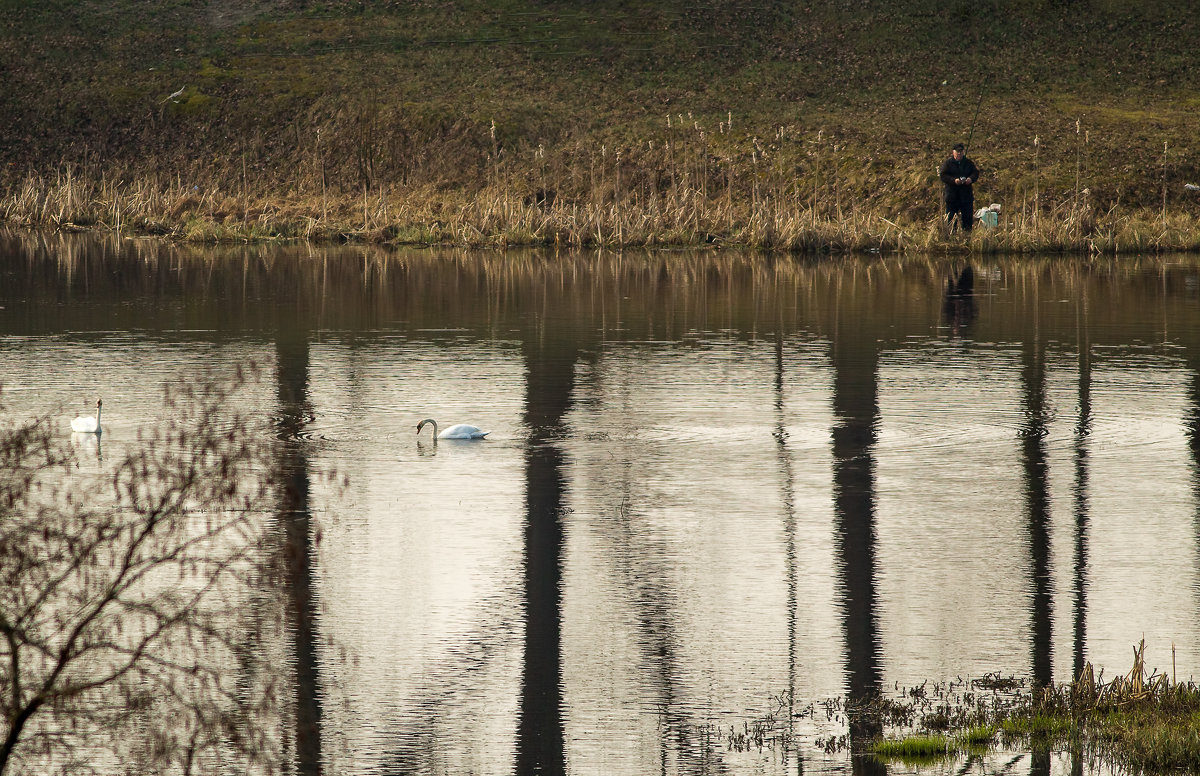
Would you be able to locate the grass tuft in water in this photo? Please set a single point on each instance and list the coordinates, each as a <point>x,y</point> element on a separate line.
<point>1041,727</point>
<point>921,746</point>
<point>976,737</point>
<point>932,746</point>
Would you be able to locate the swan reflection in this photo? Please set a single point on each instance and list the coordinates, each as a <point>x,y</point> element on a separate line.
<point>87,442</point>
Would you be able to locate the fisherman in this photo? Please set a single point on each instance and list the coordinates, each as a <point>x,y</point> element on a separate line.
<point>959,174</point>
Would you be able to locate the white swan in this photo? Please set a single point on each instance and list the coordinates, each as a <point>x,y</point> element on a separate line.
<point>87,424</point>
<point>457,431</point>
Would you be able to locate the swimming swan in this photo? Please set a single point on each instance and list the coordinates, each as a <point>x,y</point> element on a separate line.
<point>458,431</point>
<point>88,424</point>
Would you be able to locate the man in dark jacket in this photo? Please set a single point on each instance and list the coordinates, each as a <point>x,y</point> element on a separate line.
<point>959,173</point>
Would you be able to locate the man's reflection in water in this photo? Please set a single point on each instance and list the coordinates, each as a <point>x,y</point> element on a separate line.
<point>958,306</point>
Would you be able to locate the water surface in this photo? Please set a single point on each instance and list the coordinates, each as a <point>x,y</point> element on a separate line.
<point>717,486</point>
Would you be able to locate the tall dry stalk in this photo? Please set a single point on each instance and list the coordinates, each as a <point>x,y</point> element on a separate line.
<point>1077,154</point>
<point>1036,177</point>
<point>837,189</point>
<point>672,171</point>
<point>617,196</point>
<point>1164,185</point>
<point>816,176</point>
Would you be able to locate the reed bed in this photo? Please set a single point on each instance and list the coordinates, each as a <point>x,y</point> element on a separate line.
<point>687,187</point>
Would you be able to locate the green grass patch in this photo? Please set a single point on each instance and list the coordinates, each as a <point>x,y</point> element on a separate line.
<point>933,746</point>
<point>915,748</point>
<point>975,737</point>
<point>1040,726</point>
<point>1150,741</point>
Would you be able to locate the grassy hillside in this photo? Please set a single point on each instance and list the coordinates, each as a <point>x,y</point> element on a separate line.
<point>673,121</point>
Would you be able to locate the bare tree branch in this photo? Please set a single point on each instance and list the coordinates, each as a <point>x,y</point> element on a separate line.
<point>122,601</point>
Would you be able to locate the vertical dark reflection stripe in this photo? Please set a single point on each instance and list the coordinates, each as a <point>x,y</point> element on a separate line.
<point>550,379</point>
<point>856,417</point>
<point>787,479</point>
<point>1037,503</point>
<point>1039,761</point>
<point>1192,422</point>
<point>1082,431</point>
<point>291,348</point>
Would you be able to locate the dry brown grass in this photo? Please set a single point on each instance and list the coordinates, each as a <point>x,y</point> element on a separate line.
<point>678,195</point>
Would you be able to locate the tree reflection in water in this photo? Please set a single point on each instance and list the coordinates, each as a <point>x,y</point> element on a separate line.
<point>876,328</point>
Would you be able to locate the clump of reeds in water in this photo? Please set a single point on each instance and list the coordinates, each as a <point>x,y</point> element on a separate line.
<point>1140,722</point>
<point>1143,722</point>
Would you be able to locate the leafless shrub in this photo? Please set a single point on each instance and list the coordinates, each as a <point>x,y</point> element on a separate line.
<point>134,611</point>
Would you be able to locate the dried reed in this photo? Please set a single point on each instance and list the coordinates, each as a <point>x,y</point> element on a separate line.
<point>685,186</point>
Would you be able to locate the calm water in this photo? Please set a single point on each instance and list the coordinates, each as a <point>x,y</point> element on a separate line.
<point>717,486</point>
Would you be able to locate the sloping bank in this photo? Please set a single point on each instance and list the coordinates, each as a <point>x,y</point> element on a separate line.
<point>815,127</point>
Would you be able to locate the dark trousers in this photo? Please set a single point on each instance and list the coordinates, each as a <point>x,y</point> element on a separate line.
<point>965,210</point>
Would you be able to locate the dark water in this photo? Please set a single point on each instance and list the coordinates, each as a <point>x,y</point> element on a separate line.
<point>717,487</point>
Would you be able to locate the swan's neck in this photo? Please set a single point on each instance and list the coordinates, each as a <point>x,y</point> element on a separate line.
<point>99,407</point>
<point>431,422</point>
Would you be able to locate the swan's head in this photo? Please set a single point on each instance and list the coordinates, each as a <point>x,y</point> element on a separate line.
<point>421,425</point>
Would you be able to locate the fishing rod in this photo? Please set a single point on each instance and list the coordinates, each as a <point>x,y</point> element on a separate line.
<point>976,118</point>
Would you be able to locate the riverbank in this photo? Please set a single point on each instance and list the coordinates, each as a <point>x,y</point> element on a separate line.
<point>492,122</point>
<point>497,216</point>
